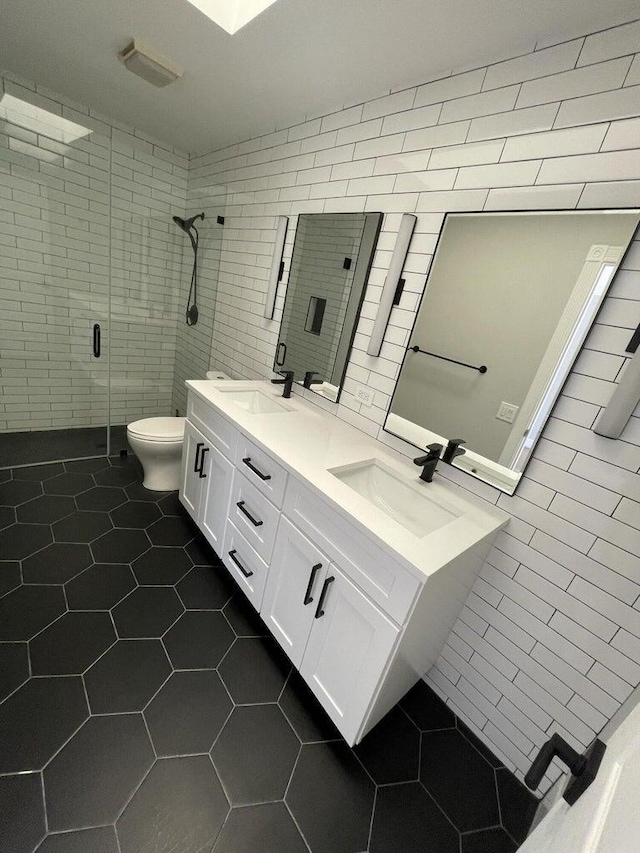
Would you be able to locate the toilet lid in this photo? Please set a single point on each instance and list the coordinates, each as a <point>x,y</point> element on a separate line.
<point>158,429</point>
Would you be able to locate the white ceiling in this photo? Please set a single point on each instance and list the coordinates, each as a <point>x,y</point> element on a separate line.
<point>299,58</point>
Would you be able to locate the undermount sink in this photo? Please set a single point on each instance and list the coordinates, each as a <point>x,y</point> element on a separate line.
<point>254,402</point>
<point>405,502</point>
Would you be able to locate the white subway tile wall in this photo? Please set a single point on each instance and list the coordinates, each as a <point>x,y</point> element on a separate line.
<point>77,215</point>
<point>549,638</point>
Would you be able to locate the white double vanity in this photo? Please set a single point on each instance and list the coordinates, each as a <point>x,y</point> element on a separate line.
<point>358,568</point>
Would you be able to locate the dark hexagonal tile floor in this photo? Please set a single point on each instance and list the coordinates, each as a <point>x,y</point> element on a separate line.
<point>56,563</point>
<point>81,527</point>
<point>180,802</point>
<point>255,754</point>
<point>161,566</point>
<point>147,612</point>
<point>198,640</point>
<point>20,540</point>
<point>127,676</point>
<point>120,546</point>
<point>22,821</point>
<point>206,588</point>
<point>7,516</point>
<point>10,576</point>
<point>68,484</point>
<point>102,839</point>
<point>46,509</point>
<point>37,720</point>
<point>100,587</point>
<point>194,709</point>
<point>171,530</point>
<point>14,667</point>
<point>16,492</point>
<point>101,499</point>
<point>28,609</point>
<point>71,644</point>
<point>268,828</point>
<point>187,714</point>
<point>135,514</point>
<point>255,670</point>
<point>92,778</point>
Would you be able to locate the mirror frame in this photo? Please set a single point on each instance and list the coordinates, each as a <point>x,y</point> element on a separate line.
<point>480,467</point>
<point>328,391</point>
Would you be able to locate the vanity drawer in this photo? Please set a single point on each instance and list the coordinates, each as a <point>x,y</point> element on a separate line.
<point>247,568</point>
<point>261,470</point>
<point>254,516</point>
<point>220,432</point>
<point>386,582</point>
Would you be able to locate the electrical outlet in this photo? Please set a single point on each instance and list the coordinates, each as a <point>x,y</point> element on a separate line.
<point>507,412</point>
<point>364,395</point>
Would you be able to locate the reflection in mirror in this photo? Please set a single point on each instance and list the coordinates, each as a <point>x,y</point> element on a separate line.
<point>515,293</point>
<point>332,256</point>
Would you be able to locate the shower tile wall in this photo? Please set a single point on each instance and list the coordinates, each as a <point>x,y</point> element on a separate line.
<point>549,639</point>
<point>61,206</point>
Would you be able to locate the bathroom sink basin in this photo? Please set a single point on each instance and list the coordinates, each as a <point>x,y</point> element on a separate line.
<point>406,502</point>
<point>254,402</point>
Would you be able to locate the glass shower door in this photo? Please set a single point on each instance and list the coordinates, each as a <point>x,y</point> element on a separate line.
<point>54,280</point>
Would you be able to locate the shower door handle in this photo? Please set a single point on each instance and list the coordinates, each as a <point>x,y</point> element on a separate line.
<point>96,340</point>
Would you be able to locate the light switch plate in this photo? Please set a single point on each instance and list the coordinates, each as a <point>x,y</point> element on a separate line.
<point>364,395</point>
<point>507,412</point>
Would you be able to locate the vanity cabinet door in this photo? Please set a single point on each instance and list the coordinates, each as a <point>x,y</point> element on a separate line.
<point>191,482</point>
<point>293,585</point>
<point>349,647</point>
<point>218,479</point>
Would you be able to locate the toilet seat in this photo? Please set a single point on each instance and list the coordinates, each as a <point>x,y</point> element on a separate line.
<point>166,430</point>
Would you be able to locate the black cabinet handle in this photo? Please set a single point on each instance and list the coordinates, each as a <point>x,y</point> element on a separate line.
<point>246,512</point>
<point>323,595</point>
<point>201,473</point>
<point>255,470</point>
<point>232,554</point>
<point>584,767</point>
<point>196,466</point>
<point>307,596</point>
<point>96,340</point>
<point>281,349</point>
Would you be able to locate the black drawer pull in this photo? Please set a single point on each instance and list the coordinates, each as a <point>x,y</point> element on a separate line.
<point>308,598</point>
<point>201,473</point>
<point>246,512</point>
<point>96,340</point>
<point>232,554</point>
<point>323,595</point>
<point>196,466</point>
<point>255,470</point>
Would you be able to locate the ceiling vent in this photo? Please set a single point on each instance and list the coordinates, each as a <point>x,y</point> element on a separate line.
<point>148,64</point>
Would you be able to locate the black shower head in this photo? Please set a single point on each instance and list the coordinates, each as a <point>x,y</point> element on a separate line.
<point>187,224</point>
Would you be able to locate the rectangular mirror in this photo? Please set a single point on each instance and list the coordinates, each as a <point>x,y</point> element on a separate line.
<point>330,264</point>
<point>509,301</point>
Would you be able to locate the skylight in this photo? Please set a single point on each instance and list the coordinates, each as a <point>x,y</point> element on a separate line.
<point>40,121</point>
<point>232,15</point>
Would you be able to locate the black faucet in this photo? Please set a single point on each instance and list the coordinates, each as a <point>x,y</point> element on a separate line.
<point>309,380</point>
<point>453,449</point>
<point>287,382</point>
<point>429,462</point>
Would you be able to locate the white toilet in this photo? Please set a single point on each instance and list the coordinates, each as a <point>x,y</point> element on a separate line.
<point>157,442</point>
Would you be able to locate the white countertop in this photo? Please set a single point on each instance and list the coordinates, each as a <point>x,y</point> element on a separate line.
<point>308,442</point>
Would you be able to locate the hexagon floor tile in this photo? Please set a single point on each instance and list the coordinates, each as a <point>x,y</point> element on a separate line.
<point>127,676</point>
<point>72,644</point>
<point>180,804</point>
<point>37,720</point>
<point>92,778</point>
<point>188,712</point>
<point>197,735</point>
<point>22,822</point>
